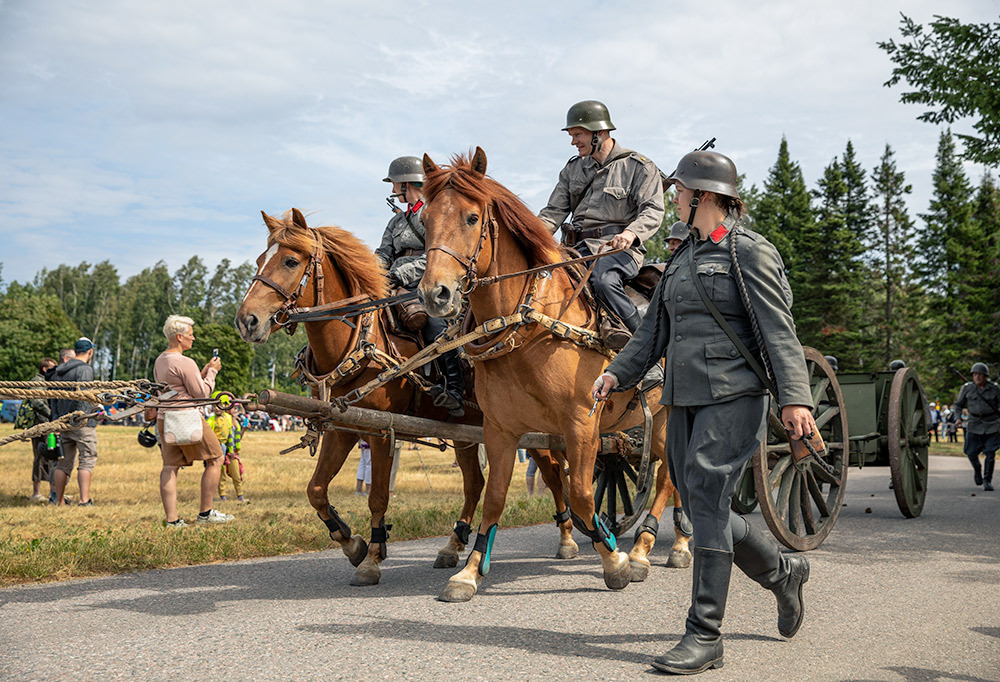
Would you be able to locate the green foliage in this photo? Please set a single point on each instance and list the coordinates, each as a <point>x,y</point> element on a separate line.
<point>783,213</point>
<point>32,326</point>
<point>953,68</point>
<point>656,246</point>
<point>234,353</point>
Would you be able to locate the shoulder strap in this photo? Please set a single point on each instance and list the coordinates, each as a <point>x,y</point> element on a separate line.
<point>413,229</point>
<point>586,188</point>
<point>726,327</point>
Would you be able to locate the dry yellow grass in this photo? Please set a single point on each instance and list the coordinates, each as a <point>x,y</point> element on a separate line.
<point>124,529</point>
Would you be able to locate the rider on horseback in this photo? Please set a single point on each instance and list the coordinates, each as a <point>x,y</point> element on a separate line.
<point>616,200</point>
<point>402,255</point>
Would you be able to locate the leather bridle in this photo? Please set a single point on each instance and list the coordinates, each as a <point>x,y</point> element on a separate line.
<point>488,228</point>
<point>315,267</point>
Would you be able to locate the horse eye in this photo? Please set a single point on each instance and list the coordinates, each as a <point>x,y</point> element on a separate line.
<point>472,219</point>
<point>291,263</point>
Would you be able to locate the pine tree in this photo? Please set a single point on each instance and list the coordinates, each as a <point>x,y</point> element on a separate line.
<point>784,215</point>
<point>986,258</point>
<point>892,246</point>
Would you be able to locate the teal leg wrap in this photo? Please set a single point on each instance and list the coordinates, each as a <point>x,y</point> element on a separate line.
<point>484,545</point>
<point>606,537</point>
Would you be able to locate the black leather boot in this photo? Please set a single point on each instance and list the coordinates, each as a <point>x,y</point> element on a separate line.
<point>758,556</point>
<point>451,394</point>
<point>700,648</point>
<point>633,321</point>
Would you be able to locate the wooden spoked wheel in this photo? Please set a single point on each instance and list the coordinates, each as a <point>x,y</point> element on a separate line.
<point>622,484</point>
<point>745,499</point>
<point>908,441</point>
<point>801,500</point>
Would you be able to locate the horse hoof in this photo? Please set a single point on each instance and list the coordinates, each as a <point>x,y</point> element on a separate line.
<point>359,553</point>
<point>679,559</point>
<point>457,592</point>
<point>619,578</point>
<point>637,571</point>
<point>567,552</point>
<point>446,561</point>
<point>363,578</point>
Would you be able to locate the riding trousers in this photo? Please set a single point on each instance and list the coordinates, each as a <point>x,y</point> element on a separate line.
<point>609,278</point>
<point>708,448</point>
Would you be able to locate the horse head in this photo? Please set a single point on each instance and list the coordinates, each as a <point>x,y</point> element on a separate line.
<point>283,273</point>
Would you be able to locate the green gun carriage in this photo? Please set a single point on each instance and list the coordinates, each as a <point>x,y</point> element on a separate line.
<point>865,418</point>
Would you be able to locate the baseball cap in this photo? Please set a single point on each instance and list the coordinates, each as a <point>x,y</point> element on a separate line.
<point>83,344</point>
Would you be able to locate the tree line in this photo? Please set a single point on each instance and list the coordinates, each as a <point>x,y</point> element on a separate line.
<point>870,285</point>
<point>125,322</point>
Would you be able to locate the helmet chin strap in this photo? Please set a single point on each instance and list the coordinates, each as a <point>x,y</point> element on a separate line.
<point>694,208</point>
<point>595,143</point>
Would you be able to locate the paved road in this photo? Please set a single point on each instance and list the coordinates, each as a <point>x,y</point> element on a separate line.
<point>889,599</point>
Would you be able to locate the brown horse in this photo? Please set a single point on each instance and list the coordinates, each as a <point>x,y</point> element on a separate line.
<point>475,227</point>
<point>341,267</point>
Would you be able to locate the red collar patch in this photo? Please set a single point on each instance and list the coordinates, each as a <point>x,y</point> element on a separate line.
<point>718,234</point>
<point>417,206</point>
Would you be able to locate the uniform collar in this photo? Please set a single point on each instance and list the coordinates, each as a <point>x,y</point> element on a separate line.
<point>415,207</point>
<point>616,150</point>
<point>720,232</point>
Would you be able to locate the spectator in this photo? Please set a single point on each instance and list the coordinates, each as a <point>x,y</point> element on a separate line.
<point>982,398</point>
<point>935,421</point>
<point>181,374</point>
<point>529,478</point>
<point>41,467</point>
<point>951,425</point>
<point>66,354</point>
<point>79,443</point>
<point>364,475</point>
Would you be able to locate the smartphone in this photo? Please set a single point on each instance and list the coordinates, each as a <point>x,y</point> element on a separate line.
<point>215,352</point>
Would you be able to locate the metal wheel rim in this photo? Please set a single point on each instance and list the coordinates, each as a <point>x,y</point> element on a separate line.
<point>794,507</point>
<point>908,442</point>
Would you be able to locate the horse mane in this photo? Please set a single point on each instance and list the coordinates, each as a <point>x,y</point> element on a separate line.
<point>356,262</point>
<point>530,232</point>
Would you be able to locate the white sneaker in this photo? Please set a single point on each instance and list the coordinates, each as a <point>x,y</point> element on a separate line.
<point>215,517</point>
<point>179,523</point>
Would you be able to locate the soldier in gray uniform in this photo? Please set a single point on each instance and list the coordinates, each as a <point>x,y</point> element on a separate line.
<point>982,398</point>
<point>719,404</point>
<point>616,200</point>
<point>402,255</point>
<point>678,233</point>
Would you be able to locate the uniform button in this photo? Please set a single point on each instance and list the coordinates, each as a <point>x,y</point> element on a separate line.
<point>678,318</point>
<point>679,299</point>
<point>710,269</point>
<point>677,338</point>
<point>684,278</point>
<point>733,353</point>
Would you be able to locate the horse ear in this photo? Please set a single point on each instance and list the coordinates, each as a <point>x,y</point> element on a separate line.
<point>299,219</point>
<point>479,161</point>
<point>429,166</point>
<point>271,223</point>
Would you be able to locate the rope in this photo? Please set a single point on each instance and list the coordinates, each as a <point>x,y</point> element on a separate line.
<point>137,383</point>
<point>73,420</point>
<point>94,396</point>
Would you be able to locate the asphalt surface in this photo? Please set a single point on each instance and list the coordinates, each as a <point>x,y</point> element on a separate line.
<point>888,599</point>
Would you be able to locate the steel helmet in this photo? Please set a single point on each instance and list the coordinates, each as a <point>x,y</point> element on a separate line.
<point>981,368</point>
<point>590,115</point>
<point>146,438</point>
<point>896,365</point>
<point>405,169</point>
<point>679,231</point>
<point>707,171</point>
<point>832,361</point>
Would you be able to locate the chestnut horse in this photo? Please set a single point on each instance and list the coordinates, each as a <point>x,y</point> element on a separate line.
<point>475,228</point>
<point>341,267</point>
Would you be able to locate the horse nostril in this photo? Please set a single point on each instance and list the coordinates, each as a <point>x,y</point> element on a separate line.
<point>441,295</point>
<point>251,322</point>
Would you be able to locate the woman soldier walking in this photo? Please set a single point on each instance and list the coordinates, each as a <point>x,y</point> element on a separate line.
<point>720,403</point>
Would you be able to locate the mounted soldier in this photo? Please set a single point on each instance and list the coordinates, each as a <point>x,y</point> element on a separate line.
<point>401,253</point>
<point>616,200</point>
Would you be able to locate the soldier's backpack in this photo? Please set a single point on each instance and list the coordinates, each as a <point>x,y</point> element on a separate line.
<point>25,417</point>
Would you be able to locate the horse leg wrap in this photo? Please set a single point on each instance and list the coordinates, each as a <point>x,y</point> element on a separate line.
<point>380,535</point>
<point>462,530</point>
<point>484,545</point>
<point>600,534</point>
<point>562,517</point>
<point>650,524</point>
<point>682,523</point>
<point>335,523</point>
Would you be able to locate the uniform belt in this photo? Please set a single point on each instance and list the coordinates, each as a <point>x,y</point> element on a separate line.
<point>598,232</point>
<point>411,252</point>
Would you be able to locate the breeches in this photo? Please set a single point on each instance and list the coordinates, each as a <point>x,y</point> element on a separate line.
<point>708,447</point>
<point>609,278</point>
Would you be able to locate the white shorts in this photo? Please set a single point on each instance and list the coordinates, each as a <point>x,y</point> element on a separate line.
<point>365,466</point>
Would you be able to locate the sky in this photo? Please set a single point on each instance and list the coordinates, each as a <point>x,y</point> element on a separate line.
<point>138,131</point>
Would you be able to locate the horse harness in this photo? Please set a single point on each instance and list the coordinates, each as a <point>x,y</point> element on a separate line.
<point>315,267</point>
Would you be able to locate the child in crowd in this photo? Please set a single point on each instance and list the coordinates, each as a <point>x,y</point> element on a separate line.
<point>364,475</point>
<point>222,425</point>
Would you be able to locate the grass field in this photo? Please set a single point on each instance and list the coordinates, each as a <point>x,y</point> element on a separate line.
<point>124,530</point>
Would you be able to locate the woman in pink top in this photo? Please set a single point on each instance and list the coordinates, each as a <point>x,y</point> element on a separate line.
<point>181,374</point>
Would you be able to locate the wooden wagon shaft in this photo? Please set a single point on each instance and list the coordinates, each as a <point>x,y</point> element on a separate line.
<point>375,420</point>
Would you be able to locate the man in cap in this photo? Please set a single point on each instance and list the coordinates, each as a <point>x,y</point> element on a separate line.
<point>982,398</point>
<point>616,200</point>
<point>401,253</point>
<point>79,442</point>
